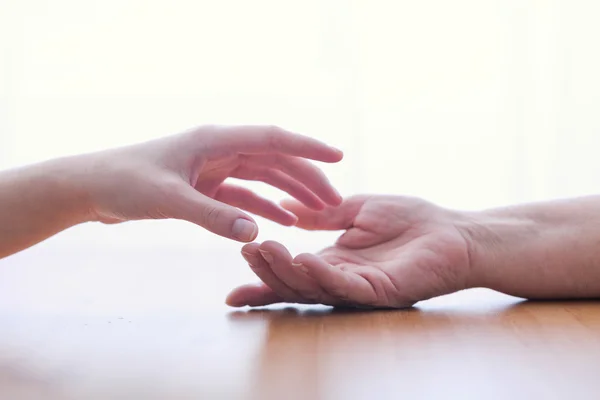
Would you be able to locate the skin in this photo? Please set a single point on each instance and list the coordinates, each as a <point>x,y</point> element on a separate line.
<point>177,177</point>
<point>397,251</point>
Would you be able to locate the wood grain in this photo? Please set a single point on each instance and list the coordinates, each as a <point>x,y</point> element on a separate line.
<point>149,326</point>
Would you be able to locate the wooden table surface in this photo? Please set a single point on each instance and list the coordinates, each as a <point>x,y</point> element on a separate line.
<point>152,325</point>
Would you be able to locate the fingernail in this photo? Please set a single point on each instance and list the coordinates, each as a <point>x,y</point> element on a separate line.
<point>267,256</point>
<point>300,266</point>
<point>244,230</point>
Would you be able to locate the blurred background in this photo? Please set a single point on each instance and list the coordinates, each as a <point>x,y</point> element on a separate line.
<point>470,104</point>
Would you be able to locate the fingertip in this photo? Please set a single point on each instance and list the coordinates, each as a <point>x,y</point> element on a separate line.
<point>252,295</point>
<point>244,230</point>
<point>291,219</point>
<point>295,218</point>
<point>337,154</point>
<point>232,301</point>
<point>248,257</point>
<point>320,206</point>
<point>250,247</point>
<point>287,202</point>
<point>305,258</point>
<point>241,295</point>
<point>337,200</point>
<point>291,204</point>
<point>274,252</point>
<point>266,244</point>
<point>271,246</point>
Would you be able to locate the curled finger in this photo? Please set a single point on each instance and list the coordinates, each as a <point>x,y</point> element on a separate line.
<point>263,271</point>
<point>337,282</point>
<point>253,295</point>
<point>292,274</point>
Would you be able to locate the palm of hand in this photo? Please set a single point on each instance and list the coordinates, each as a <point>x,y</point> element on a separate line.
<point>407,248</point>
<point>396,251</point>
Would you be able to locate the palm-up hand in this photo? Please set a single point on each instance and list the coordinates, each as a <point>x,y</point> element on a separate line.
<point>395,252</point>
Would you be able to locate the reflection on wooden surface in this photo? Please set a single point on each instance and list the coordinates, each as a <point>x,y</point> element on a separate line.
<point>160,331</point>
<point>525,350</point>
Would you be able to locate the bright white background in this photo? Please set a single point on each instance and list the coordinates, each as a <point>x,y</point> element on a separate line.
<point>470,104</point>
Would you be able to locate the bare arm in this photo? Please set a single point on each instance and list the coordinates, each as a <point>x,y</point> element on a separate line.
<point>539,250</point>
<point>397,251</point>
<point>39,201</point>
<point>179,177</point>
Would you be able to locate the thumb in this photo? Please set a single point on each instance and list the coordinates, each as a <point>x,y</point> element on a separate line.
<point>219,218</point>
<point>329,219</point>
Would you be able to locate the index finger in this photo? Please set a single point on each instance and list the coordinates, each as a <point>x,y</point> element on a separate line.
<point>271,139</point>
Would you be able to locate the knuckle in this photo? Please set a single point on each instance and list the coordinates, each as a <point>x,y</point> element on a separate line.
<point>274,136</point>
<point>274,130</point>
<point>211,216</point>
<point>273,139</point>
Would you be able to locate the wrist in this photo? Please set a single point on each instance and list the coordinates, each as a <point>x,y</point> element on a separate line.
<point>69,178</point>
<point>497,242</point>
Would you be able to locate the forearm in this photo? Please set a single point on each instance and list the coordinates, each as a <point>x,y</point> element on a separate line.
<point>544,250</point>
<point>39,201</point>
